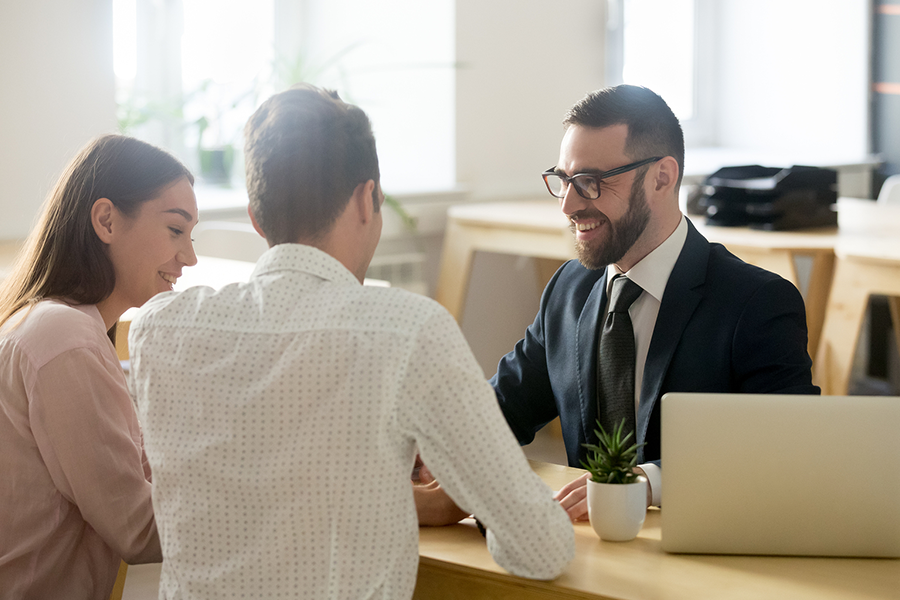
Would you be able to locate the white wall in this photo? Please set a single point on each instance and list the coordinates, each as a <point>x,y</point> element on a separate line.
<point>57,93</point>
<point>523,64</point>
<point>397,64</point>
<point>793,77</point>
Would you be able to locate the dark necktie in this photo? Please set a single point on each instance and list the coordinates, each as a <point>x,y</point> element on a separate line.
<point>615,359</point>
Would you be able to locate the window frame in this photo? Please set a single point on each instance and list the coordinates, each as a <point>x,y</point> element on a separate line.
<point>700,130</point>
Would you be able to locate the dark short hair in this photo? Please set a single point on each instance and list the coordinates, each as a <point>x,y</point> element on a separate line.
<point>306,151</point>
<point>653,129</point>
<point>63,257</point>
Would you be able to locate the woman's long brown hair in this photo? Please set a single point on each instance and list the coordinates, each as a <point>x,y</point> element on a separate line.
<point>63,257</point>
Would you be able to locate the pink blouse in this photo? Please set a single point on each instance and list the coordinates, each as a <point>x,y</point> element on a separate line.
<point>74,479</point>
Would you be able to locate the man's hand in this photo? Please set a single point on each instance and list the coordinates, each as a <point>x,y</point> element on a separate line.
<point>434,506</point>
<point>573,498</point>
<point>420,473</point>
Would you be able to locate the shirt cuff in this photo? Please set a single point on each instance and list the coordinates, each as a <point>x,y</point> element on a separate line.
<point>654,480</point>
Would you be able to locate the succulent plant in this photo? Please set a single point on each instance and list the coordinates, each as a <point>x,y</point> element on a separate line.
<point>613,458</point>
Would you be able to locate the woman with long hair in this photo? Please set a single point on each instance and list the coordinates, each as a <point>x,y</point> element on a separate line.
<point>74,480</point>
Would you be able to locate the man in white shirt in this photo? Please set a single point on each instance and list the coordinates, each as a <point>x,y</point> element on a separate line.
<point>701,320</point>
<point>282,416</point>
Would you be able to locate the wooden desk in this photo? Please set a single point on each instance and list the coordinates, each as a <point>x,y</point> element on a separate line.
<point>865,266</point>
<point>538,229</point>
<point>535,229</point>
<point>455,564</point>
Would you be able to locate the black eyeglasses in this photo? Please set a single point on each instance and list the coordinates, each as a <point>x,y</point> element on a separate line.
<point>587,184</point>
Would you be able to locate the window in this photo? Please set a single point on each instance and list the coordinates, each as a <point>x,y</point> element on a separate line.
<point>642,32</point>
<point>227,52</point>
<point>190,72</point>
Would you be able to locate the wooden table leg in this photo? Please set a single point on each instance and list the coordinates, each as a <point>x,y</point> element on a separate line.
<point>844,318</point>
<point>894,303</point>
<point>456,270</point>
<point>119,586</point>
<point>816,298</point>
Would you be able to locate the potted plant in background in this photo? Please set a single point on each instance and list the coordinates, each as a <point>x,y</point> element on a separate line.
<point>216,160</point>
<point>212,115</point>
<point>617,496</point>
<point>218,112</point>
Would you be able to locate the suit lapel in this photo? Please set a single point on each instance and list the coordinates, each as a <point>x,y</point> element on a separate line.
<point>586,351</point>
<point>684,291</point>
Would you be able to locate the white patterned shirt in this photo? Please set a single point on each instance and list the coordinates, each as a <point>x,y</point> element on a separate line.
<point>282,418</point>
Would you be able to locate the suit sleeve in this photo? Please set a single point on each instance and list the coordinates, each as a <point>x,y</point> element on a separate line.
<point>522,381</point>
<point>770,343</point>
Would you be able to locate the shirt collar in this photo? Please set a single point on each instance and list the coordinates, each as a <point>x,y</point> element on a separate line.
<point>304,259</point>
<point>652,272</point>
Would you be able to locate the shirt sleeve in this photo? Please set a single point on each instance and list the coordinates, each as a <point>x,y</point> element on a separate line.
<point>87,431</point>
<point>452,413</point>
<point>654,480</point>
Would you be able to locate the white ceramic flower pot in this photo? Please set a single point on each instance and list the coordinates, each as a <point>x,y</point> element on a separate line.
<point>617,511</point>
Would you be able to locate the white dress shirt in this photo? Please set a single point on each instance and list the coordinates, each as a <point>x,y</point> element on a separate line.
<point>282,418</point>
<point>652,274</point>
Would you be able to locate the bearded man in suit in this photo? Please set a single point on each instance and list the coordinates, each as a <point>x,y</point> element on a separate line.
<point>702,320</point>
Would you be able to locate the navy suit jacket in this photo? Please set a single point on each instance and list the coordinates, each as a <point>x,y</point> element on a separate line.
<point>723,326</point>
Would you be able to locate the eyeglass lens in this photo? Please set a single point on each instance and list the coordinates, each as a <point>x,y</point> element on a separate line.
<point>585,185</point>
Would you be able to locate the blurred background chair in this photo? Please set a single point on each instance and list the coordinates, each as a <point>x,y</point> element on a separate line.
<point>119,586</point>
<point>890,190</point>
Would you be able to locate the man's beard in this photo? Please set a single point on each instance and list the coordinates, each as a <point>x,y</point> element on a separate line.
<point>623,234</point>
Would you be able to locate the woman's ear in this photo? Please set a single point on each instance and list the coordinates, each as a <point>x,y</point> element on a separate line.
<point>103,214</point>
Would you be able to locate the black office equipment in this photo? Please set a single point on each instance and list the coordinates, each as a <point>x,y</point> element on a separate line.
<point>771,198</point>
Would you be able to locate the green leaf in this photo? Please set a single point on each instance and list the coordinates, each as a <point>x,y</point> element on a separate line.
<point>613,458</point>
<point>408,221</point>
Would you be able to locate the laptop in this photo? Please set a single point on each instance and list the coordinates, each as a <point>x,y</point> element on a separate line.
<point>781,475</point>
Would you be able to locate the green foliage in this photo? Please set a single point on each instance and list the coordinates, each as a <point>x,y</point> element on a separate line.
<point>133,111</point>
<point>612,460</point>
<point>288,71</point>
<point>216,129</point>
<point>408,220</point>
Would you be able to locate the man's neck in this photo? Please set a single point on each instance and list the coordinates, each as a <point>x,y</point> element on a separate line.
<point>655,234</point>
<point>341,249</point>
